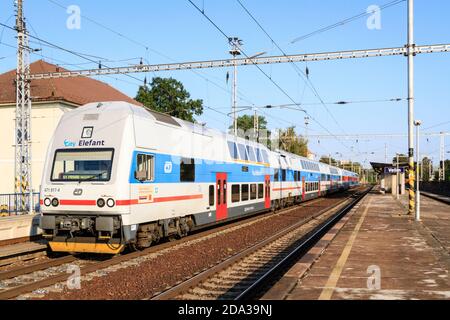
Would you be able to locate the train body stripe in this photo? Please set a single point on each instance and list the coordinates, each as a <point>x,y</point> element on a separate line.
<point>177,198</point>
<point>72,202</point>
<point>290,188</point>
<point>129,202</point>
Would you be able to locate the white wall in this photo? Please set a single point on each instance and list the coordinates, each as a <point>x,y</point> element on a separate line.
<point>44,119</point>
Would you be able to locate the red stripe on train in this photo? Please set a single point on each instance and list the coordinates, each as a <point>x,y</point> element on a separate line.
<point>129,202</point>
<point>77,202</point>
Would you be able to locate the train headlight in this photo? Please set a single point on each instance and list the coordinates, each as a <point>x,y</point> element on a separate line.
<point>110,203</point>
<point>47,202</point>
<point>100,203</point>
<point>55,202</point>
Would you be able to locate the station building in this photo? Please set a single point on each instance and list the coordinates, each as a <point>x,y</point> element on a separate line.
<point>51,98</point>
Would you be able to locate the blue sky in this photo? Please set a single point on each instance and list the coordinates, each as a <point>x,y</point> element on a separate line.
<point>175,29</point>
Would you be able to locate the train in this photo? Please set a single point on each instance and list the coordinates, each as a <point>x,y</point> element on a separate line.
<point>118,175</point>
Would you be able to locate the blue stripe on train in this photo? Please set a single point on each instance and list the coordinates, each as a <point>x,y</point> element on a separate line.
<point>167,170</point>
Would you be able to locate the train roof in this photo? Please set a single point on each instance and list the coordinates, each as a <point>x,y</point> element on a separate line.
<point>286,159</point>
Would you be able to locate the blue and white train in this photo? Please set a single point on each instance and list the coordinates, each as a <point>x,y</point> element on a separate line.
<point>117,174</point>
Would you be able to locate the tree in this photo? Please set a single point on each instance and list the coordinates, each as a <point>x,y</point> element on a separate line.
<point>403,160</point>
<point>329,160</point>
<point>427,168</point>
<point>169,96</point>
<point>246,122</point>
<point>290,142</point>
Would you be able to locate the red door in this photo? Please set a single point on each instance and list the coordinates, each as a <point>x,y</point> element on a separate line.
<point>267,192</point>
<point>221,188</point>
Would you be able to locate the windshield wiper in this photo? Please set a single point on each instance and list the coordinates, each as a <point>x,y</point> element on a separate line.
<point>92,177</point>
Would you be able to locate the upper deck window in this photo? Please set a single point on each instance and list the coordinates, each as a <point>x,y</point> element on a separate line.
<point>233,150</point>
<point>265,156</point>
<point>242,152</point>
<point>82,165</point>
<point>251,153</point>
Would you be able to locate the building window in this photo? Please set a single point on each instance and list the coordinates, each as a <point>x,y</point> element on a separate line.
<point>260,191</point>
<point>235,193</point>
<point>253,191</point>
<point>244,193</point>
<point>211,195</point>
<point>187,170</point>
<point>145,165</point>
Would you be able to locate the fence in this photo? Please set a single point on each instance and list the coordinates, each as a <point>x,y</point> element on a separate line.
<point>442,188</point>
<point>10,204</point>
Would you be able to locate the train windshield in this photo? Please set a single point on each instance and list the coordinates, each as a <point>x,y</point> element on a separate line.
<point>82,165</point>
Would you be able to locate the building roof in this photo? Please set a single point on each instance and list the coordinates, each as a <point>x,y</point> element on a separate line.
<point>78,90</point>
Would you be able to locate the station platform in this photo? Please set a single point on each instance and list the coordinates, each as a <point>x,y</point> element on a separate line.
<point>19,227</point>
<point>377,252</point>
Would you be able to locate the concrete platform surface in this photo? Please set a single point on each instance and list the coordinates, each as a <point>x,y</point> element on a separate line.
<point>22,226</point>
<point>379,253</point>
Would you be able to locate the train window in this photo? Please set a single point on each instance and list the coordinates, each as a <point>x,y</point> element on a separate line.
<point>276,174</point>
<point>232,148</point>
<point>235,193</point>
<point>224,191</point>
<point>187,170</point>
<point>242,152</point>
<point>211,195</point>
<point>258,155</point>
<point>265,156</point>
<point>251,153</point>
<point>283,174</point>
<point>145,165</point>
<point>253,191</point>
<point>260,191</point>
<point>244,193</point>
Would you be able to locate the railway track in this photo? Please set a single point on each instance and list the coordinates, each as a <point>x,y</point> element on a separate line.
<point>243,275</point>
<point>16,282</point>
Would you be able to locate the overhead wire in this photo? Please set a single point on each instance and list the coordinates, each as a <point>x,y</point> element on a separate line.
<point>301,73</point>
<point>264,73</point>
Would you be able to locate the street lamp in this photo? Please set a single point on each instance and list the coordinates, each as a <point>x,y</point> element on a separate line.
<point>417,123</point>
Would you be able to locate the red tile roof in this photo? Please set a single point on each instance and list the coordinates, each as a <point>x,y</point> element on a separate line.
<point>79,90</point>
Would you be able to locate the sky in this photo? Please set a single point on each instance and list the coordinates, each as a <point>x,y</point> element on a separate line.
<point>121,32</point>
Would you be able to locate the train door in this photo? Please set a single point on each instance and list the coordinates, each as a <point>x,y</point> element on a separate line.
<point>267,192</point>
<point>221,187</point>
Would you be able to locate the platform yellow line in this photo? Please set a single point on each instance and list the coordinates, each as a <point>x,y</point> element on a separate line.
<point>327,291</point>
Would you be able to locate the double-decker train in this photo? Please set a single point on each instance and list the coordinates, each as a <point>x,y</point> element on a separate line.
<point>119,175</point>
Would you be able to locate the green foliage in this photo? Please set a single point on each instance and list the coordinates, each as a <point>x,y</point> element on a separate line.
<point>329,160</point>
<point>169,96</point>
<point>246,122</point>
<point>403,160</point>
<point>290,142</point>
<point>426,168</point>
